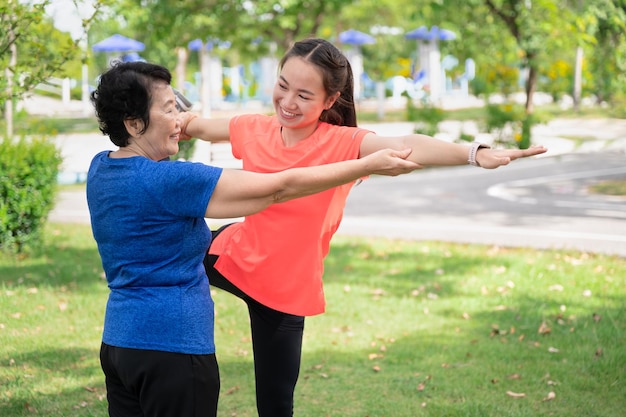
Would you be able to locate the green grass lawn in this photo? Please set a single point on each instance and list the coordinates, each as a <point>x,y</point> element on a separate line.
<point>411,329</point>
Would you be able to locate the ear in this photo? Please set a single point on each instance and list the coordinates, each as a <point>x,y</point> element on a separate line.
<point>133,126</point>
<point>330,101</point>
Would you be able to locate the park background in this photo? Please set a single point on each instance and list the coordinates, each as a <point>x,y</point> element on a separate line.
<point>413,328</point>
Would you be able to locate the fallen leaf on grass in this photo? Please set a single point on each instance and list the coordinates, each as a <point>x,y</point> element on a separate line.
<point>500,269</point>
<point>232,390</point>
<point>83,404</point>
<point>376,368</point>
<point>544,329</point>
<point>515,394</point>
<point>377,292</point>
<point>551,396</point>
<point>553,350</point>
<point>422,385</point>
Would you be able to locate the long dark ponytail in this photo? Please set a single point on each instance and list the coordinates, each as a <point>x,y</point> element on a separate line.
<point>336,74</point>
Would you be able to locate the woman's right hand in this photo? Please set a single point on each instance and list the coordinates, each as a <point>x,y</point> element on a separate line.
<point>390,162</point>
<point>185,118</point>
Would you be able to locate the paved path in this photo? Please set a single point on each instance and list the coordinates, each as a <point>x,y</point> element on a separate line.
<point>540,203</point>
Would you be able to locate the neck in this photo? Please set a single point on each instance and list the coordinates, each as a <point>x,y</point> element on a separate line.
<point>291,137</point>
<point>126,152</point>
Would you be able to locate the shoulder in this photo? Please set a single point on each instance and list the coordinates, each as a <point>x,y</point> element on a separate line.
<point>347,132</point>
<point>184,168</point>
<point>341,135</point>
<point>100,156</point>
<point>248,121</point>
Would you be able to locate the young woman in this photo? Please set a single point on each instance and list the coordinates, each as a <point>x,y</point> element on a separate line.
<point>273,260</point>
<point>157,352</point>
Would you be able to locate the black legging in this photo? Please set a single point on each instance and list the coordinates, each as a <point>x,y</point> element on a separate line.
<point>277,347</point>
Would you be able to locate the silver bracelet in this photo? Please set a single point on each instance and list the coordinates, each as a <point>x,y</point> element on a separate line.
<point>473,150</point>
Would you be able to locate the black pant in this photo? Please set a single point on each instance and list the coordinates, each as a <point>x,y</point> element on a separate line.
<point>277,346</point>
<point>147,383</point>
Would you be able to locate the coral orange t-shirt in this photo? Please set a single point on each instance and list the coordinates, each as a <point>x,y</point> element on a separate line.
<point>277,256</point>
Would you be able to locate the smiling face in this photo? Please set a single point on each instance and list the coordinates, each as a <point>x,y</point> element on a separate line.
<point>299,97</point>
<point>160,139</point>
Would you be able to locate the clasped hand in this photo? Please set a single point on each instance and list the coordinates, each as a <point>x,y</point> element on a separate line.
<point>391,162</point>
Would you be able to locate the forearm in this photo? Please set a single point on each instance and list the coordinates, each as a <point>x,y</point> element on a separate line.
<point>428,151</point>
<point>300,182</point>
<point>210,130</point>
<point>240,193</point>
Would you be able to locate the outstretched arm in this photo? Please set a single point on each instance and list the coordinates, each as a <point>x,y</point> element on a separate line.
<point>210,130</point>
<point>239,193</point>
<point>428,151</point>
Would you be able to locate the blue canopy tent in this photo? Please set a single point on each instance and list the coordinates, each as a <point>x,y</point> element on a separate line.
<point>422,33</point>
<point>118,43</point>
<point>355,37</point>
<point>429,69</point>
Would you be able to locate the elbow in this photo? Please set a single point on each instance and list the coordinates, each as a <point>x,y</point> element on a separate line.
<point>280,196</point>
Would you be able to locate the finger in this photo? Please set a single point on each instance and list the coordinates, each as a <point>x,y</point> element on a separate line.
<point>404,153</point>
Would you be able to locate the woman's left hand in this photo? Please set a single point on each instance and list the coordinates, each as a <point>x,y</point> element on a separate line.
<point>494,158</point>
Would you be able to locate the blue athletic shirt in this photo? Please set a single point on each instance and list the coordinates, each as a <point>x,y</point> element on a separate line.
<point>147,219</point>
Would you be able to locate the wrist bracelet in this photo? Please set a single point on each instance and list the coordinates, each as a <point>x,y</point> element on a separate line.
<point>473,150</point>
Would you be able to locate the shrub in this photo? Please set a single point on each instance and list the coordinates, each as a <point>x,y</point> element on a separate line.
<point>427,117</point>
<point>505,121</point>
<point>28,180</point>
<point>185,149</point>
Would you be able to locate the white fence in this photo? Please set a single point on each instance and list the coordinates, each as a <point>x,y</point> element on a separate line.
<point>58,86</point>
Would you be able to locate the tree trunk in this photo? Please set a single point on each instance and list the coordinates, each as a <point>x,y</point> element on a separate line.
<point>578,75</point>
<point>8,72</point>
<point>205,84</point>
<point>531,85</point>
<point>181,67</point>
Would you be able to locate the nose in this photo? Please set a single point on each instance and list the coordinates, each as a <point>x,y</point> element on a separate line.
<point>289,101</point>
